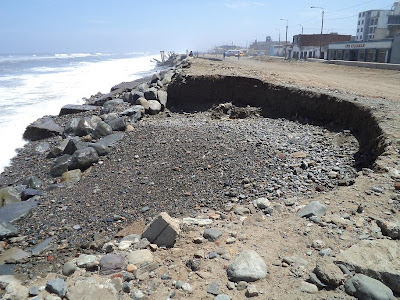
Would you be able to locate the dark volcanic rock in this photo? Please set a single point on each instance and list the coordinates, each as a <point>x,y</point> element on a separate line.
<point>60,165</point>
<point>41,129</point>
<point>74,109</point>
<point>29,193</point>
<point>7,230</point>
<point>83,159</point>
<point>118,124</point>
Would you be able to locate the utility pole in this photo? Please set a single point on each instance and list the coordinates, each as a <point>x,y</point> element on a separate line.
<point>322,28</point>
<point>287,26</point>
<point>279,35</point>
<point>301,28</point>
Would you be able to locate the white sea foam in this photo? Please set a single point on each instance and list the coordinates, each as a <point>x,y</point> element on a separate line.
<point>44,93</point>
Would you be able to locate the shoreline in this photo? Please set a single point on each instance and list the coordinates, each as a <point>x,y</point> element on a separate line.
<point>244,225</point>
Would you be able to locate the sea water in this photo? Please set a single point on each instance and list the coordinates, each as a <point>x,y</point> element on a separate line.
<point>35,85</point>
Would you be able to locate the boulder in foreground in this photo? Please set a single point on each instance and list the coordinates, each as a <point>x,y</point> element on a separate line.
<point>42,128</point>
<point>248,266</point>
<point>364,287</point>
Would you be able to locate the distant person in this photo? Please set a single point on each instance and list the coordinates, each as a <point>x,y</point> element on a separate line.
<point>224,54</point>
<point>191,54</point>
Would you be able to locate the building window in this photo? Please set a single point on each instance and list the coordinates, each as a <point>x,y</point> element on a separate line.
<point>358,22</point>
<point>339,54</point>
<point>382,56</point>
<point>362,22</point>
<point>346,54</point>
<point>363,14</point>
<point>362,29</point>
<point>359,15</point>
<point>358,30</point>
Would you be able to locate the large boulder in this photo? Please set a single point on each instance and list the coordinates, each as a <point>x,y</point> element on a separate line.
<point>17,210</point>
<point>248,266</point>
<point>110,104</point>
<point>74,109</point>
<point>7,230</point>
<point>329,273</point>
<point>154,107</point>
<point>151,94</point>
<point>58,149</point>
<point>314,208</point>
<point>102,129</point>
<point>83,159</point>
<point>134,113</point>
<point>111,263</point>
<point>9,195</point>
<point>143,102</point>
<point>118,124</point>
<point>71,126</point>
<point>41,129</point>
<point>379,259</point>
<point>162,97</point>
<point>87,125</point>
<point>367,288</point>
<point>60,165</point>
<point>134,95</point>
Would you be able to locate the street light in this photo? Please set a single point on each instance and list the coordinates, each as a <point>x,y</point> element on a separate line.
<point>322,28</point>
<point>279,35</point>
<point>287,25</point>
<point>301,28</point>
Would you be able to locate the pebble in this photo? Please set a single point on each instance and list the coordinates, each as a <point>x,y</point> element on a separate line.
<point>186,287</point>
<point>251,291</point>
<point>213,288</point>
<point>68,268</point>
<point>241,285</point>
<point>222,297</point>
<point>212,234</point>
<point>230,285</point>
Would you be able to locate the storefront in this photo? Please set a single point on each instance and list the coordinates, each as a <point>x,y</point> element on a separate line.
<point>371,51</point>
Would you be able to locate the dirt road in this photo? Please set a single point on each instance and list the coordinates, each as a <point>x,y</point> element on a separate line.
<point>361,82</point>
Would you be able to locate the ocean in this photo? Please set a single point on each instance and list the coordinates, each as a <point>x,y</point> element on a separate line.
<point>34,85</point>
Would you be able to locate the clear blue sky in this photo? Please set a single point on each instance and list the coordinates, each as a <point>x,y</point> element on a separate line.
<point>47,26</point>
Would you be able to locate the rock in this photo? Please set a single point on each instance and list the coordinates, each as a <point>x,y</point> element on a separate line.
<point>193,264</point>
<point>212,234</point>
<point>109,105</point>
<point>314,208</point>
<point>102,129</point>
<point>89,289</point>
<point>308,288</point>
<point>261,203</point>
<point>68,268</point>
<point>379,259</point>
<point>29,193</point>
<point>111,263</point>
<point>364,287</point>
<point>241,285</point>
<point>197,222</point>
<point>72,176</point>
<point>241,210</point>
<point>140,257</point>
<point>42,246</point>
<point>329,273</point>
<point>41,147</point>
<point>110,140</point>
<point>33,291</point>
<point>134,113</point>
<point>74,109</point>
<point>15,211</point>
<point>9,195</point>
<point>315,280</point>
<point>7,230</point>
<point>150,94</point>
<point>57,286</point>
<point>162,231</point>
<point>162,97</point>
<point>248,266</point>
<point>60,165</point>
<point>154,107</point>
<point>13,254</point>
<point>137,294</point>
<point>59,149</point>
<point>222,297</point>
<point>134,96</point>
<point>251,291</point>
<point>186,287</point>
<point>118,124</point>
<point>71,126</point>
<point>100,149</point>
<point>41,129</point>
<point>34,182</point>
<point>143,102</point>
<point>87,261</point>
<point>213,288</point>
<point>87,125</point>
<point>83,159</point>
<point>7,269</point>
<point>390,229</point>
<point>14,290</point>
<point>318,244</point>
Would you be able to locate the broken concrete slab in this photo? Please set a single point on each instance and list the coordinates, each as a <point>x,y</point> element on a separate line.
<point>379,259</point>
<point>314,208</point>
<point>162,231</point>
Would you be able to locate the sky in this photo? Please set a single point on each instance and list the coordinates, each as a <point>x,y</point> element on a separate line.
<point>122,26</point>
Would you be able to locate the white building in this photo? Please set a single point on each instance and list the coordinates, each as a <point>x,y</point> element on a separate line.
<point>375,24</point>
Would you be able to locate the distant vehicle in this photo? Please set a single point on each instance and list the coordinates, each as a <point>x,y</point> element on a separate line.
<point>234,53</point>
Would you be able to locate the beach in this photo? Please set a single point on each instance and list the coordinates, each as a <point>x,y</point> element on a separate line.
<point>243,146</point>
